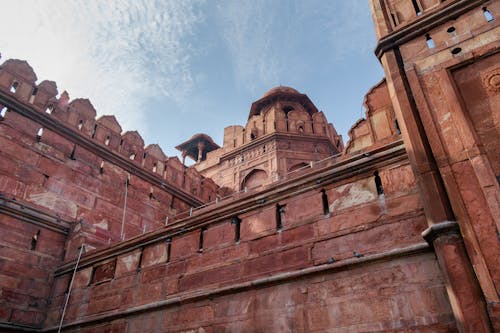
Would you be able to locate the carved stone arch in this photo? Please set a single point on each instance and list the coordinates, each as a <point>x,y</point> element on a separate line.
<point>254,178</point>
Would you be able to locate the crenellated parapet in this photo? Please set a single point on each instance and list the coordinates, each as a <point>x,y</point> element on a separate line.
<point>58,157</point>
<point>18,80</point>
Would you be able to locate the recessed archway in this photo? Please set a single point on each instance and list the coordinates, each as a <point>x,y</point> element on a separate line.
<point>254,179</point>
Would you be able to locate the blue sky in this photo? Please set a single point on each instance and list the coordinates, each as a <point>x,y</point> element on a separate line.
<point>171,69</point>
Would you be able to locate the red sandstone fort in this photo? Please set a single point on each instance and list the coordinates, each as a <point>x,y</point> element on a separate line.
<point>282,228</point>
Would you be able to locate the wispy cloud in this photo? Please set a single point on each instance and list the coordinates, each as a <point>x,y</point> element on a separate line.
<point>270,40</point>
<point>118,53</point>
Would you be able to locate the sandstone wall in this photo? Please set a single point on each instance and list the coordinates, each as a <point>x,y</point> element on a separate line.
<point>327,250</point>
<point>63,180</point>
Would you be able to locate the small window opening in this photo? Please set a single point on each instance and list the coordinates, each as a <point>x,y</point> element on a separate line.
<point>252,136</point>
<point>378,183</point>
<point>14,86</point>
<point>80,124</point>
<point>94,130</point>
<point>132,156</point>
<point>280,210</point>
<point>274,124</point>
<point>144,155</point>
<point>33,94</point>
<point>456,50</point>
<point>106,141</point>
<point>151,196</point>
<point>3,112</point>
<point>202,236</point>
<point>416,7</point>
<point>169,247</point>
<point>393,17</point>
<point>264,149</point>
<point>139,264</point>
<point>429,41</point>
<point>451,30</point>
<point>101,168</point>
<point>121,142</point>
<point>92,273</point>
<point>72,155</point>
<point>39,134</point>
<point>34,240</point>
<point>49,109</point>
<point>154,167</point>
<point>324,201</point>
<point>396,126</point>
<point>488,15</point>
<point>45,179</point>
<point>301,129</point>
<point>236,221</point>
<point>234,143</point>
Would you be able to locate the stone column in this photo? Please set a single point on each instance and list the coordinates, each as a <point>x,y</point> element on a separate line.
<point>201,147</point>
<point>463,289</point>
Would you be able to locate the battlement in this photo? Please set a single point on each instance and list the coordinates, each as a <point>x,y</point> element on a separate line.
<point>18,80</point>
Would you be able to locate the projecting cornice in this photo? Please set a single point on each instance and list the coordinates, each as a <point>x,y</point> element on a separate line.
<point>23,212</point>
<point>424,24</point>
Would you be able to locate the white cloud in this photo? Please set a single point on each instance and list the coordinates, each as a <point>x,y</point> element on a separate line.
<point>271,40</point>
<point>247,31</point>
<point>117,53</point>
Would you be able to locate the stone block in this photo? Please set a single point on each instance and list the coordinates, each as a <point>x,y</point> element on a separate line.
<point>219,235</point>
<point>127,263</point>
<point>185,245</point>
<point>154,254</point>
<point>258,224</point>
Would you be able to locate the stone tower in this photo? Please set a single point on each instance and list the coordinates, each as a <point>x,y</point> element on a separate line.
<point>284,133</point>
<point>441,60</point>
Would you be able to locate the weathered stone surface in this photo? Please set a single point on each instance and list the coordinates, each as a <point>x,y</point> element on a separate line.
<point>308,245</point>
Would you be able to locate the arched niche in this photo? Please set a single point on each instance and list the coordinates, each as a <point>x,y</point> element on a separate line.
<point>299,121</point>
<point>254,179</point>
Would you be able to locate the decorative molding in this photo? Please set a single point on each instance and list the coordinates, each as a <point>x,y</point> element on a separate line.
<point>491,81</point>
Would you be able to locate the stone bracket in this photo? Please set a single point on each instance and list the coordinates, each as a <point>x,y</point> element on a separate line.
<point>439,229</point>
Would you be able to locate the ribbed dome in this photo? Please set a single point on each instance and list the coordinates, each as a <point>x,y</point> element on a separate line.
<point>284,89</point>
